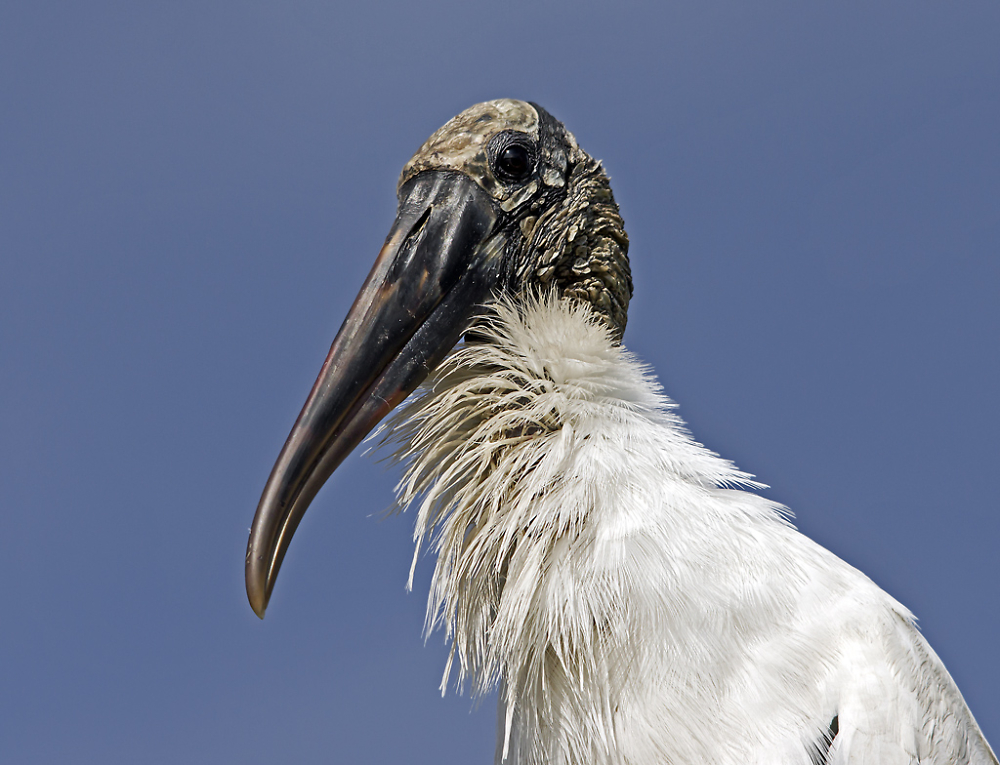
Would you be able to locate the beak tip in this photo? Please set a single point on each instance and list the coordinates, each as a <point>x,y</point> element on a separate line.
<point>257,590</point>
<point>258,604</point>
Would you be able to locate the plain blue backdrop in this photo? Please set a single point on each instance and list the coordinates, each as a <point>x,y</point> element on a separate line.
<point>191,194</point>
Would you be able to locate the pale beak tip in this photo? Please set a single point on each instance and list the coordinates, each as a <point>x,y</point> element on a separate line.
<point>257,588</point>
<point>259,605</point>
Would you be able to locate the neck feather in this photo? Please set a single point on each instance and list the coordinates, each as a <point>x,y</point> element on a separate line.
<point>502,448</point>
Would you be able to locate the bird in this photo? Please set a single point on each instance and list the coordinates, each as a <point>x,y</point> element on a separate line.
<point>629,592</point>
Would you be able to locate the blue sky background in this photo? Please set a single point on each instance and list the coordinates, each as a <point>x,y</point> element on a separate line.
<point>191,194</point>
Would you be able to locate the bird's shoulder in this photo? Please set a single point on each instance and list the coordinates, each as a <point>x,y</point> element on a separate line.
<point>897,703</point>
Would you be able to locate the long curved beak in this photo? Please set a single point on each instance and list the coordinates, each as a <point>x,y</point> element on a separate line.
<point>437,265</point>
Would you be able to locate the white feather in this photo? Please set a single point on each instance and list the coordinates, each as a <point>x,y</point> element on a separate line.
<point>635,602</point>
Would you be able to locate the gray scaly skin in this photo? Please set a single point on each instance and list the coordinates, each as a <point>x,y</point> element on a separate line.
<point>563,227</point>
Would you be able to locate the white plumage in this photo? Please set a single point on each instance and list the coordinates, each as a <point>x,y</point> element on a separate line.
<point>636,601</point>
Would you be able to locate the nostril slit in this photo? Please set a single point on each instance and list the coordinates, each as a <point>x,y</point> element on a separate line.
<point>418,227</point>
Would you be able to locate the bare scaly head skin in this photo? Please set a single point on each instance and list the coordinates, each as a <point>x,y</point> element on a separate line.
<point>462,145</point>
<point>561,222</point>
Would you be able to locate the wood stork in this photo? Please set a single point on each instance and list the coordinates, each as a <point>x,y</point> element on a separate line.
<point>631,596</point>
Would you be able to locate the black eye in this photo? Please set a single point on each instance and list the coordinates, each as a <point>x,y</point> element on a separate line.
<point>513,163</point>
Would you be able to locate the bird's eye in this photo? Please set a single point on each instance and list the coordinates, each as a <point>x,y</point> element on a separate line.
<point>513,163</point>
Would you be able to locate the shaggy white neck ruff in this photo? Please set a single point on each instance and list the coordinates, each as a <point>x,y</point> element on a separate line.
<point>573,517</point>
<point>634,603</point>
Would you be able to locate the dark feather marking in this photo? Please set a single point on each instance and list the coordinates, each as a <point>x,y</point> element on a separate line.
<point>821,749</point>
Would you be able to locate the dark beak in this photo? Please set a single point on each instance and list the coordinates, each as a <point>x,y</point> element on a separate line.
<point>438,264</point>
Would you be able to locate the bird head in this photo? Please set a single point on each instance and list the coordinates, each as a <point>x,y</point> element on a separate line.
<point>499,201</point>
